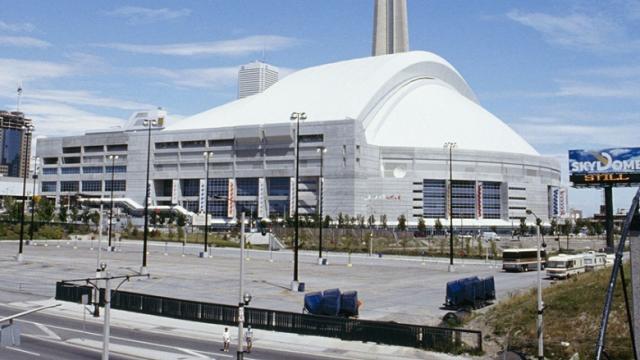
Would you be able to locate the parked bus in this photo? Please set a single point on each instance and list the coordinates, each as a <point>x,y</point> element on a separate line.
<point>522,259</point>
<point>594,260</point>
<point>564,266</point>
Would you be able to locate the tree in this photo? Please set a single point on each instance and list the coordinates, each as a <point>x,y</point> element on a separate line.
<point>74,213</point>
<point>554,226</point>
<point>523,227</point>
<point>327,221</point>
<point>566,227</point>
<point>494,248</point>
<point>402,223</point>
<point>360,219</point>
<point>371,221</point>
<point>13,209</point>
<point>45,210</point>
<point>94,217</point>
<point>341,220</point>
<point>85,217</point>
<point>422,228</point>
<point>438,226</point>
<point>383,221</point>
<point>62,214</point>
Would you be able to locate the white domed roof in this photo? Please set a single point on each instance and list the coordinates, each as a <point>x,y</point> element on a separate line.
<point>414,99</point>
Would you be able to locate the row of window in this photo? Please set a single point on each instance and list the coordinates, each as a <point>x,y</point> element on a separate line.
<point>191,144</point>
<point>87,186</point>
<point>276,186</point>
<point>66,160</point>
<point>93,148</point>
<point>86,170</point>
<point>219,208</point>
<point>466,197</point>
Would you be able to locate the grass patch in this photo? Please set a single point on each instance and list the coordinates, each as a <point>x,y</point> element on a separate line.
<point>572,315</point>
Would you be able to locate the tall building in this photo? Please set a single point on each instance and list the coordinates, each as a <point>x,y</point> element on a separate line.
<point>390,31</point>
<point>14,144</point>
<point>255,77</point>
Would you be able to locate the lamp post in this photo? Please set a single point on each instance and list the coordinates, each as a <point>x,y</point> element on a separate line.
<point>113,162</point>
<point>321,150</point>
<point>33,197</point>
<point>149,124</point>
<point>297,116</point>
<point>244,298</point>
<point>207,155</point>
<point>27,131</point>
<point>450,146</point>
<point>540,303</point>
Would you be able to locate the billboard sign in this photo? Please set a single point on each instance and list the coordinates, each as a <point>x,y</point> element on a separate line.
<point>607,167</point>
<point>558,202</point>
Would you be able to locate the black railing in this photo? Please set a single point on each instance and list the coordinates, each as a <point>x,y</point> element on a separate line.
<point>388,333</point>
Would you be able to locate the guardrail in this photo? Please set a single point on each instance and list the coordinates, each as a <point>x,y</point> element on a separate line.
<point>389,333</point>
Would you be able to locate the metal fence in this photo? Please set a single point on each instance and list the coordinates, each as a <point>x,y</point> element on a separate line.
<point>388,333</point>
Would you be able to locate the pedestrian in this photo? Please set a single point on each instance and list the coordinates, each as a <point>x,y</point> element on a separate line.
<point>248,336</point>
<point>226,340</point>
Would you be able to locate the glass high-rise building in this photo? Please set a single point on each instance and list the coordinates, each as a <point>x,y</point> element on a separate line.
<point>14,144</point>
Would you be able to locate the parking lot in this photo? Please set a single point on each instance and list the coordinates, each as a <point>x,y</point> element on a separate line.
<point>401,289</point>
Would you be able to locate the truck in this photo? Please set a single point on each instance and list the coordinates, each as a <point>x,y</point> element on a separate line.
<point>564,266</point>
<point>523,259</point>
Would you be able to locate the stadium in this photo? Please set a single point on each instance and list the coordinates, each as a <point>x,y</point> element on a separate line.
<point>388,123</point>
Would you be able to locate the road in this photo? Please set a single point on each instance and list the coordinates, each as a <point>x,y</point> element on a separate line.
<point>46,336</point>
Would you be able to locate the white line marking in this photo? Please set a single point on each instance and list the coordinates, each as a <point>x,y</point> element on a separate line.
<point>23,351</point>
<point>47,331</point>
<point>194,353</point>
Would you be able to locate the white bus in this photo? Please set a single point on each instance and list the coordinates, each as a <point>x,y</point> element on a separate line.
<point>594,260</point>
<point>522,259</point>
<point>564,266</point>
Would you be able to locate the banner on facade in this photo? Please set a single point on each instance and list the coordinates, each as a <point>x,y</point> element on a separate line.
<point>231,198</point>
<point>479,209</point>
<point>263,202</point>
<point>558,201</point>
<point>292,197</point>
<point>175,188</point>
<point>202,195</point>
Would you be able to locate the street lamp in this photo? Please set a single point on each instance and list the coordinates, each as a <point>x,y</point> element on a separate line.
<point>245,298</point>
<point>33,197</point>
<point>540,303</point>
<point>148,124</point>
<point>321,150</point>
<point>113,162</point>
<point>207,155</point>
<point>450,146</point>
<point>27,131</point>
<point>297,116</point>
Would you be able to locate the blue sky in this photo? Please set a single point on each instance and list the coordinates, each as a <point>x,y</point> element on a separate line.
<point>563,74</point>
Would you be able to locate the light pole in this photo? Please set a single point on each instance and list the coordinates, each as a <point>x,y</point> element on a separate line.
<point>27,131</point>
<point>321,150</point>
<point>149,124</point>
<point>113,162</point>
<point>297,116</point>
<point>207,155</point>
<point>540,303</point>
<point>33,197</point>
<point>244,298</point>
<point>450,146</point>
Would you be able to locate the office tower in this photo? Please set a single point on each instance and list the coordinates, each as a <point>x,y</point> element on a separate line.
<point>255,77</point>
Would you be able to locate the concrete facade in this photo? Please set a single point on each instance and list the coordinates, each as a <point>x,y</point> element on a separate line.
<point>360,179</point>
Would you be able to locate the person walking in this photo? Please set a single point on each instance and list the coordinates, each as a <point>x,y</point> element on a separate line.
<point>226,340</point>
<point>248,337</point>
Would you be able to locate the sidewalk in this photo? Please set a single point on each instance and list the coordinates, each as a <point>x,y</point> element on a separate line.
<point>311,345</point>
